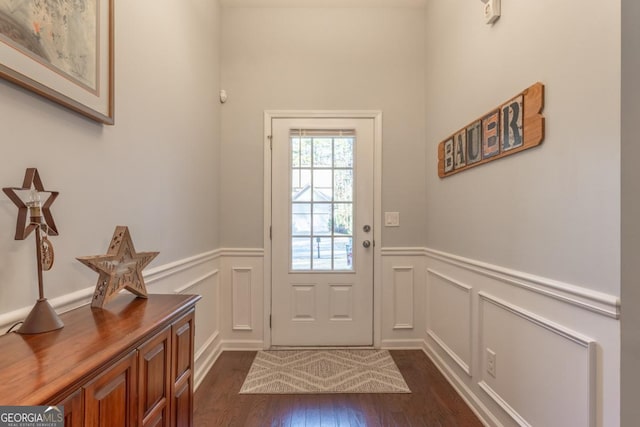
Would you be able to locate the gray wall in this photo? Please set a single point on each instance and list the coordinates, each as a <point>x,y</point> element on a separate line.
<point>553,211</point>
<point>322,59</point>
<point>152,171</point>
<point>630,372</point>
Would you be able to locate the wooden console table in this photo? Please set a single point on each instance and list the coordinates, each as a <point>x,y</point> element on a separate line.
<point>129,364</point>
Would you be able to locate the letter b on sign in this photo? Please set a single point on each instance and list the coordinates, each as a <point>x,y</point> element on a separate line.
<point>448,155</point>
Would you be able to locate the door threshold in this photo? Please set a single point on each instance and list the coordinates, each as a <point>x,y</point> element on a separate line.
<point>324,347</point>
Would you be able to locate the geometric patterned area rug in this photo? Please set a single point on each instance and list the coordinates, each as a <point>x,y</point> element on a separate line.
<point>324,371</point>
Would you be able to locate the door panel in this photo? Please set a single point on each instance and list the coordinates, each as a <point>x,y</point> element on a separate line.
<point>322,199</point>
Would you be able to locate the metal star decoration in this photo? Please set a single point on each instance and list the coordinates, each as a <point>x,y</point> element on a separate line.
<point>33,216</point>
<point>32,181</point>
<point>121,268</point>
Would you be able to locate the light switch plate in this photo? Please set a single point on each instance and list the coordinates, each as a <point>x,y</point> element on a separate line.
<point>392,219</point>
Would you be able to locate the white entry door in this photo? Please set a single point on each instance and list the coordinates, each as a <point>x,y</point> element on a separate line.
<point>322,232</point>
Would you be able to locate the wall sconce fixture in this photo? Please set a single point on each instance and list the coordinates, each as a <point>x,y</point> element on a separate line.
<point>491,10</point>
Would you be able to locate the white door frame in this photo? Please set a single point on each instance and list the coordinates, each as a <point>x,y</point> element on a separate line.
<point>377,207</point>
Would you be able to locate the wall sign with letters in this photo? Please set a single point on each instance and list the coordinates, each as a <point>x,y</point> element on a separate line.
<point>516,125</point>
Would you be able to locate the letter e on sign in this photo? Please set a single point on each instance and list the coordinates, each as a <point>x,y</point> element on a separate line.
<point>491,135</point>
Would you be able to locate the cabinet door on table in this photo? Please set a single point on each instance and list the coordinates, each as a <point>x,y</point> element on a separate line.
<point>111,398</point>
<point>73,409</point>
<point>155,380</point>
<point>182,371</point>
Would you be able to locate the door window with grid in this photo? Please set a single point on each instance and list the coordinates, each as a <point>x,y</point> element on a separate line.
<point>322,197</point>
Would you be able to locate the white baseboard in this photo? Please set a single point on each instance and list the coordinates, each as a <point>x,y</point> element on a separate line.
<point>399,344</point>
<point>479,409</point>
<point>205,358</point>
<point>504,405</point>
<point>242,345</point>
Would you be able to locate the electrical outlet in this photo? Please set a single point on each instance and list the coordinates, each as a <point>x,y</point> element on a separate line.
<point>491,362</point>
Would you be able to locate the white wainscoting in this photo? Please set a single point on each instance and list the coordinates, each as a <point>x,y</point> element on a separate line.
<point>241,290</point>
<point>448,308</point>
<point>402,302</point>
<point>208,343</point>
<point>242,294</point>
<point>556,345</point>
<point>550,358</point>
<point>403,285</point>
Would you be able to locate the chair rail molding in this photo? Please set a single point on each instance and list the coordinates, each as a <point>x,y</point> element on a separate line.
<point>81,297</point>
<point>594,301</point>
<point>197,274</point>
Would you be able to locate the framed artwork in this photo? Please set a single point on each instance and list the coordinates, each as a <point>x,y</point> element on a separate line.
<point>62,50</point>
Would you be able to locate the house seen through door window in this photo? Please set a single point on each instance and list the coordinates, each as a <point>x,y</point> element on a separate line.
<point>322,183</point>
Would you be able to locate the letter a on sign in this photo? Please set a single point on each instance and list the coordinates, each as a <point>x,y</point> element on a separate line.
<point>460,149</point>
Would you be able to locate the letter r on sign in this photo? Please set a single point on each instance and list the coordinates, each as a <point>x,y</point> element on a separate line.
<point>511,122</point>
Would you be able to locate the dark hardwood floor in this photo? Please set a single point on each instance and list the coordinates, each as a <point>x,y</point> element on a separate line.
<point>432,403</point>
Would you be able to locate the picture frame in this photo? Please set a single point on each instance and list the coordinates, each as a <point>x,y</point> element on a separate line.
<point>62,52</point>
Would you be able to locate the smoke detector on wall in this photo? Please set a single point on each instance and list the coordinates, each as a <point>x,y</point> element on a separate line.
<point>491,10</point>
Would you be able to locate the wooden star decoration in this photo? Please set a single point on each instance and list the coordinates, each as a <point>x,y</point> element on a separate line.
<point>121,268</point>
<point>32,181</point>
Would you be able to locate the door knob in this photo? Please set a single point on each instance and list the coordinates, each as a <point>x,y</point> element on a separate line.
<point>366,243</point>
